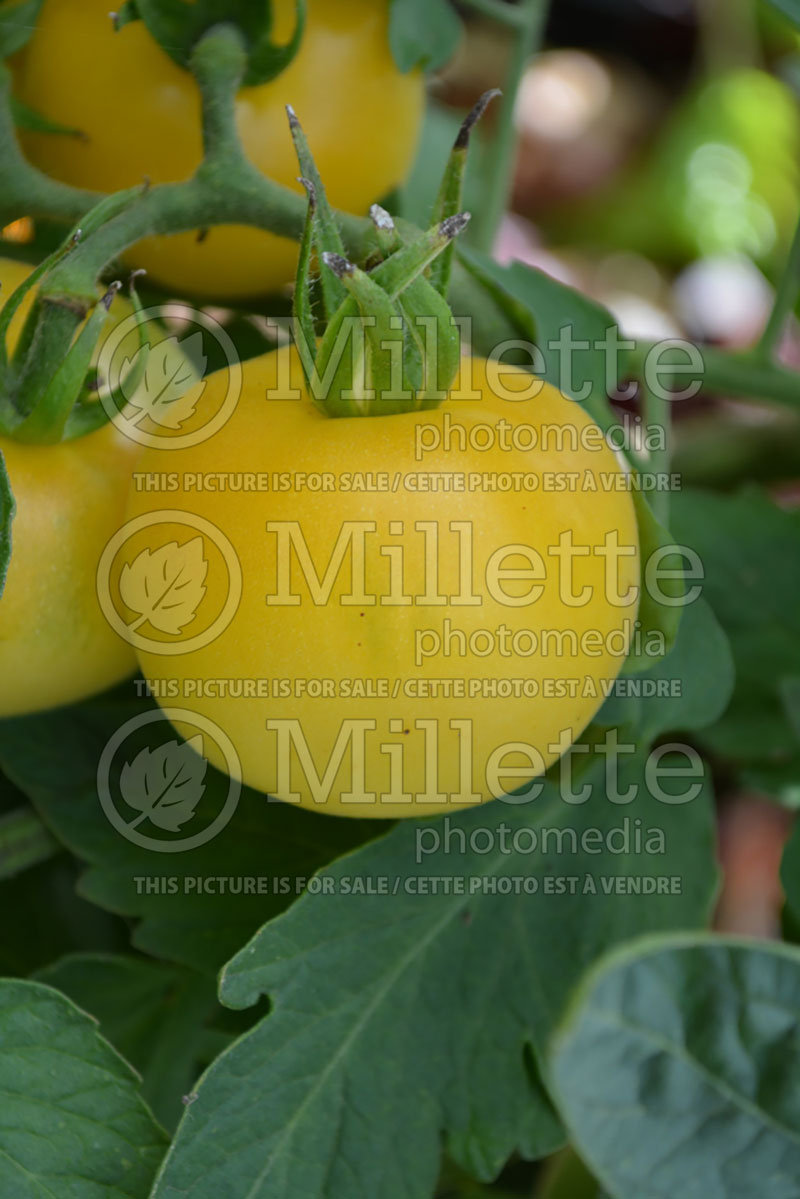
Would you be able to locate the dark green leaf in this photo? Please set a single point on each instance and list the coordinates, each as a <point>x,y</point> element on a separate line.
<point>750,550</point>
<point>17,23</point>
<point>676,1070</point>
<point>152,1014</point>
<point>73,1122</point>
<point>423,34</point>
<point>790,872</point>
<point>400,1017</point>
<point>687,690</point>
<point>185,916</point>
<point>24,842</point>
<point>559,315</point>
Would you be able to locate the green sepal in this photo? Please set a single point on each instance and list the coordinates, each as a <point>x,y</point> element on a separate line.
<point>370,322</point>
<point>7,509</point>
<point>450,199</point>
<point>379,316</point>
<point>326,235</point>
<point>655,617</point>
<point>25,117</point>
<point>47,421</point>
<point>396,273</point>
<point>304,329</point>
<point>17,23</point>
<point>420,303</point>
<point>178,27</point>
<point>89,414</point>
<point>386,234</point>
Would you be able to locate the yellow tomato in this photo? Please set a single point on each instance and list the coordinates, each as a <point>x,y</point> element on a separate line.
<point>386,616</point>
<point>141,116</point>
<point>55,644</point>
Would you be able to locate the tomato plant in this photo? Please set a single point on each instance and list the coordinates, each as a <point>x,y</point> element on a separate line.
<point>342,78</point>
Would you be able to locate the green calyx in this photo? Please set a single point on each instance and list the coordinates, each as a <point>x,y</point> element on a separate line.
<point>178,27</point>
<point>48,387</point>
<point>390,343</point>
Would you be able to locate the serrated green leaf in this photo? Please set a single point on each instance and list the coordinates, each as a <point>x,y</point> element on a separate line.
<point>73,1121</point>
<point>676,1070</point>
<point>423,34</point>
<point>401,1017</point>
<point>184,916</point>
<point>153,1014</point>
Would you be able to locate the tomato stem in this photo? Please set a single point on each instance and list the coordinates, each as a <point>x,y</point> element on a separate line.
<point>500,158</point>
<point>785,298</point>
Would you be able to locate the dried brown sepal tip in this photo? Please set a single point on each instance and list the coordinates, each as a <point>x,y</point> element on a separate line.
<point>453,225</point>
<point>292,115</point>
<point>113,288</point>
<point>311,191</point>
<point>462,141</point>
<point>381,219</point>
<point>338,264</point>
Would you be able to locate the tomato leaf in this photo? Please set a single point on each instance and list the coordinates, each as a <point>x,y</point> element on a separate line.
<point>17,23</point>
<point>403,1000</point>
<point>8,508</point>
<point>153,1014</point>
<point>165,784</point>
<point>750,550</point>
<point>556,311</point>
<point>178,26</point>
<point>789,8</point>
<point>184,914</point>
<point>423,34</point>
<point>790,872</point>
<point>24,841</point>
<point>79,1125</point>
<point>691,686</point>
<point>675,1069</point>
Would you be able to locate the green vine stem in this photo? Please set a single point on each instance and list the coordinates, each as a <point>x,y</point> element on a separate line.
<point>498,163</point>
<point>27,191</point>
<point>785,299</point>
<point>228,189</point>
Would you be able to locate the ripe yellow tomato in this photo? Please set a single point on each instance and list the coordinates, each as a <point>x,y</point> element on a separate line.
<point>55,645</point>
<point>387,616</point>
<point>141,116</point>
